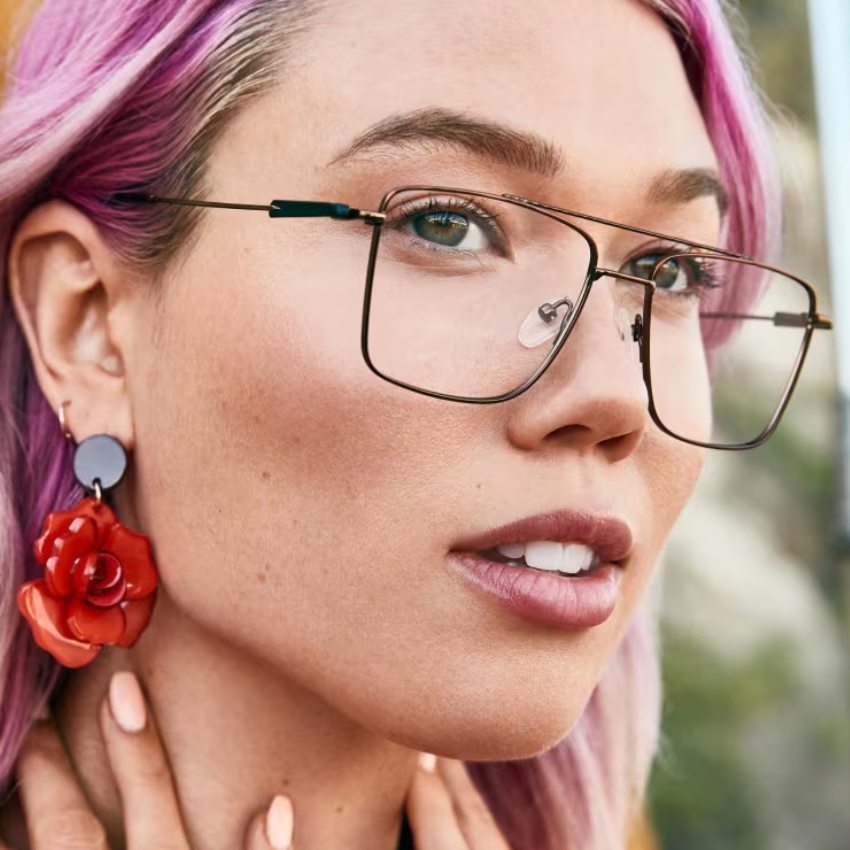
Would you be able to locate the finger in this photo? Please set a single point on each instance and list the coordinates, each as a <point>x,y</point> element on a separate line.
<point>476,821</point>
<point>272,829</point>
<point>431,814</point>
<point>57,814</point>
<point>151,812</point>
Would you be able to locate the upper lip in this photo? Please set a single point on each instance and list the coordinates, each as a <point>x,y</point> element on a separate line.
<point>608,536</point>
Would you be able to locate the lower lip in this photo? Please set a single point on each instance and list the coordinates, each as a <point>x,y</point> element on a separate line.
<point>543,598</point>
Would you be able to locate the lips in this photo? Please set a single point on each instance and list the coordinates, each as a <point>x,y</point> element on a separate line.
<point>543,597</point>
<point>609,537</point>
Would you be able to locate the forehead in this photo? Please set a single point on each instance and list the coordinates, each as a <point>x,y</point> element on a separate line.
<point>600,79</point>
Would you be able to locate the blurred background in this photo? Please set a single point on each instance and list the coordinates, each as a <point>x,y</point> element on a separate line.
<point>755,629</point>
<point>756,746</point>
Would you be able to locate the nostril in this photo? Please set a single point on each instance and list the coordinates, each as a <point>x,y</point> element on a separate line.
<point>621,446</point>
<point>618,444</point>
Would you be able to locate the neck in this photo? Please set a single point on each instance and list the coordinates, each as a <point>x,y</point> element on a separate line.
<point>237,732</point>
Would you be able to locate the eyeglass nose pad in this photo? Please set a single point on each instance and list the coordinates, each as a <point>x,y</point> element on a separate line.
<point>626,330</point>
<point>540,325</point>
<point>630,330</point>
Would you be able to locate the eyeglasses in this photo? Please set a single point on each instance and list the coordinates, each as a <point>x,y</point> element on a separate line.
<point>470,297</point>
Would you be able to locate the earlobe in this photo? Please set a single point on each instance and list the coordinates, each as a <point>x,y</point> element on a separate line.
<point>65,286</point>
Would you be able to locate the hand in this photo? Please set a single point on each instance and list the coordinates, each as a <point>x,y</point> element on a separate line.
<point>58,816</point>
<point>446,810</point>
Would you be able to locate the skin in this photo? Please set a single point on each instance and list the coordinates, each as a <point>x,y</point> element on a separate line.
<point>444,809</point>
<point>308,636</point>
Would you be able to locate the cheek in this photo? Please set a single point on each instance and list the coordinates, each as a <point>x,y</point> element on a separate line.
<point>669,474</point>
<point>262,405</point>
<point>678,368</point>
<point>660,484</point>
<point>302,508</point>
<point>291,495</point>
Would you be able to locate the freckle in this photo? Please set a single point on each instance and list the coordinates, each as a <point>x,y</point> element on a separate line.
<point>261,577</point>
<point>339,809</point>
<point>285,782</point>
<point>266,475</point>
<point>478,486</point>
<point>268,568</point>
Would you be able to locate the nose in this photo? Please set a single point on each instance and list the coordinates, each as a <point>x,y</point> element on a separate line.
<point>593,398</point>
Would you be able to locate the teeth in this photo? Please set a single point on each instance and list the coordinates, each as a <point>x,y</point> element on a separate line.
<point>576,558</point>
<point>571,558</point>
<point>512,550</point>
<point>544,555</point>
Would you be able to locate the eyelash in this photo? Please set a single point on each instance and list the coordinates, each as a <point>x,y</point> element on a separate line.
<point>409,210</point>
<point>705,274</point>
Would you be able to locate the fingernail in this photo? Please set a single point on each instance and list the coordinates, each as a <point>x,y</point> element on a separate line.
<point>279,823</point>
<point>126,702</point>
<point>428,762</point>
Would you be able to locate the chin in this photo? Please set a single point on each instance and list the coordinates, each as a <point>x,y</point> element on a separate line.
<point>501,731</point>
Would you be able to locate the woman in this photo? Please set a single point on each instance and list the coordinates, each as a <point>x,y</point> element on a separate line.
<point>407,457</point>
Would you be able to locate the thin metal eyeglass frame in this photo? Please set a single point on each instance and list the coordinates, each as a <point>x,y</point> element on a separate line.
<point>641,330</point>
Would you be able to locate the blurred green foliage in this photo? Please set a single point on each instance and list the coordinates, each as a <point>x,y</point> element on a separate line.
<point>796,484</point>
<point>779,33</point>
<point>702,796</point>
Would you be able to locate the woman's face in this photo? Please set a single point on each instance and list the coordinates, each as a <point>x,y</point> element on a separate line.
<point>313,514</point>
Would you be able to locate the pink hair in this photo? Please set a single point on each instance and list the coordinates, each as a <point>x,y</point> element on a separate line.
<point>107,97</point>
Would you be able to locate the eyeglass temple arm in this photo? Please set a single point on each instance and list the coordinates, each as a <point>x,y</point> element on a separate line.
<point>277,209</point>
<point>780,320</point>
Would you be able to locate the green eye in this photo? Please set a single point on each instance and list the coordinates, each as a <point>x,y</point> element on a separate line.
<point>672,274</point>
<point>442,228</point>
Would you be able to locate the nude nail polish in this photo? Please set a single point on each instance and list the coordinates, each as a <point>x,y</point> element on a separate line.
<point>127,702</point>
<point>279,823</point>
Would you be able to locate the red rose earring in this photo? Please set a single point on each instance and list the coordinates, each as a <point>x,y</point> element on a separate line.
<point>99,582</point>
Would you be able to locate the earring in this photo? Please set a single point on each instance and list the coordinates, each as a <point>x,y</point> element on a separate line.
<point>100,582</point>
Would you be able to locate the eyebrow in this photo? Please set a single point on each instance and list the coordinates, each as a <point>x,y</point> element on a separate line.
<point>679,186</point>
<point>488,140</point>
<point>504,145</point>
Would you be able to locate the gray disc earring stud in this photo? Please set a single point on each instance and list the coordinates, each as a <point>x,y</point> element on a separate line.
<point>101,461</point>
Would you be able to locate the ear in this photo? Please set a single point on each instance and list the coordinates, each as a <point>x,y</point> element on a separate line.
<point>69,297</point>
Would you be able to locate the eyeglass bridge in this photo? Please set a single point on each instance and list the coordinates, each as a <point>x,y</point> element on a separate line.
<point>548,312</point>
